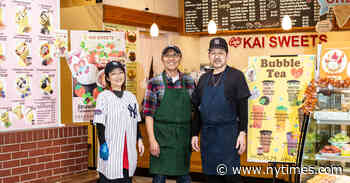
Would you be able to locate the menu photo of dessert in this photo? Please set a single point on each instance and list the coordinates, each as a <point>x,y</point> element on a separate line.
<point>45,22</point>
<point>23,52</point>
<point>131,36</point>
<point>18,110</point>
<point>2,52</point>
<point>61,47</point>
<point>5,119</point>
<point>23,86</point>
<point>46,53</point>
<point>29,115</point>
<point>46,84</point>
<point>2,88</point>
<point>2,25</point>
<point>23,14</point>
<point>131,55</point>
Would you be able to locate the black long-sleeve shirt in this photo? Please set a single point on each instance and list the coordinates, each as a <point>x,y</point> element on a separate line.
<point>236,91</point>
<point>101,132</point>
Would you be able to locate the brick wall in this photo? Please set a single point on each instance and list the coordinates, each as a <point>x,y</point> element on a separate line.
<point>42,155</point>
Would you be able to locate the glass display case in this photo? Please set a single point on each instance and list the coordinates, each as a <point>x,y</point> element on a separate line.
<point>326,150</point>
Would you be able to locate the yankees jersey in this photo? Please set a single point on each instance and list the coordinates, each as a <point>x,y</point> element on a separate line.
<point>120,117</point>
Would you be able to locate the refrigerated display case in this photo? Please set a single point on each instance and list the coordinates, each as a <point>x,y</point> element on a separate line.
<point>325,154</point>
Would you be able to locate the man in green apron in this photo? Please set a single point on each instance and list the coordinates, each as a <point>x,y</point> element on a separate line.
<point>167,110</point>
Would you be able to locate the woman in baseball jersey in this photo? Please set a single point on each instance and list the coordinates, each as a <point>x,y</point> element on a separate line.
<point>116,117</point>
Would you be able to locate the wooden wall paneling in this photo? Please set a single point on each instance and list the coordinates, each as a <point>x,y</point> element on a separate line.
<point>125,16</point>
<point>70,3</point>
<point>82,17</point>
<point>182,17</point>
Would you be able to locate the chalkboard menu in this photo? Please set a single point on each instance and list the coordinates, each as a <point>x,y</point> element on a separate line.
<point>248,14</point>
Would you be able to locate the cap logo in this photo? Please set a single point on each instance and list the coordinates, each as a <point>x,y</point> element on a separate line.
<point>217,41</point>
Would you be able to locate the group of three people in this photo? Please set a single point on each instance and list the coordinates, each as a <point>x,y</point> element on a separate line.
<point>176,112</point>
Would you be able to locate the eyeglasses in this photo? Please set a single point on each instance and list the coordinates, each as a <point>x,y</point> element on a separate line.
<point>218,54</point>
<point>172,56</point>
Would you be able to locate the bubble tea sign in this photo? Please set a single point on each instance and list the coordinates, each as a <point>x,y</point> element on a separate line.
<point>277,84</point>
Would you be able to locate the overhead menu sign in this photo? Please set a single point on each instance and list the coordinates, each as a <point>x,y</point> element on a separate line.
<point>248,14</point>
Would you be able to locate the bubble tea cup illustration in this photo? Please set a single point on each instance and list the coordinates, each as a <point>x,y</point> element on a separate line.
<point>265,140</point>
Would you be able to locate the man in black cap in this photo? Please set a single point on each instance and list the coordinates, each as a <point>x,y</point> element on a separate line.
<point>221,102</point>
<point>167,110</point>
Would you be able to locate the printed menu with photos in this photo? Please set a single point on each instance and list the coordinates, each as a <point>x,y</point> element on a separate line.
<point>91,51</point>
<point>277,85</point>
<point>334,61</point>
<point>28,67</point>
<point>131,40</point>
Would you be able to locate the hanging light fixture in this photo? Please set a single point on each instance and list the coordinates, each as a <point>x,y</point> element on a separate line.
<point>286,23</point>
<point>154,30</point>
<point>212,27</point>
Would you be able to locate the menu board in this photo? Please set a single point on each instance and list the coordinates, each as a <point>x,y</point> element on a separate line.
<point>91,51</point>
<point>277,84</point>
<point>248,14</point>
<point>28,66</point>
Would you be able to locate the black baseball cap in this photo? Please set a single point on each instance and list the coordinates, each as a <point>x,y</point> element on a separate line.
<point>171,47</point>
<point>218,42</point>
<point>113,65</point>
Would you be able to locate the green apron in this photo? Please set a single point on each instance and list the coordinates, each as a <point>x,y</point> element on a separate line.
<point>172,131</point>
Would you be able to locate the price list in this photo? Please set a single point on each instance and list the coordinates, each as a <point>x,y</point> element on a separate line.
<point>248,14</point>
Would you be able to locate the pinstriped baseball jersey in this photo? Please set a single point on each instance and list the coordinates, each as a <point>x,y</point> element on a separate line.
<point>120,116</point>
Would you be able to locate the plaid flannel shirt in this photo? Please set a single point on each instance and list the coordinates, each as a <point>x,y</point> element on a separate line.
<point>156,88</point>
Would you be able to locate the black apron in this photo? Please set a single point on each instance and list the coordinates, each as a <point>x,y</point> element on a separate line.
<point>219,130</point>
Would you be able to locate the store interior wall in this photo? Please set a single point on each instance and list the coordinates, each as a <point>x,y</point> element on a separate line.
<point>239,56</point>
<point>195,52</point>
<point>151,47</point>
<point>82,17</point>
<point>164,7</point>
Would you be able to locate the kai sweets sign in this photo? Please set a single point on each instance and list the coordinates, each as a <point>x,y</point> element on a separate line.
<point>281,41</point>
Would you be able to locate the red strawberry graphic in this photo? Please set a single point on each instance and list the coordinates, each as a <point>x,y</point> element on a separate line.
<point>79,91</point>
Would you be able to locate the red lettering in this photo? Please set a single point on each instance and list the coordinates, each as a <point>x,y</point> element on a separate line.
<point>256,42</point>
<point>304,41</point>
<point>263,41</point>
<point>247,42</point>
<point>295,41</point>
<point>273,42</point>
<point>313,36</point>
<point>285,40</point>
<point>323,37</point>
<point>330,1</point>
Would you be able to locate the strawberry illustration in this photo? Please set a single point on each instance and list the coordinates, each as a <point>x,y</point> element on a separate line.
<point>112,54</point>
<point>96,91</point>
<point>79,91</point>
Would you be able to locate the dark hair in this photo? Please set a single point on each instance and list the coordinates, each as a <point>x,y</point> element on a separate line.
<point>109,68</point>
